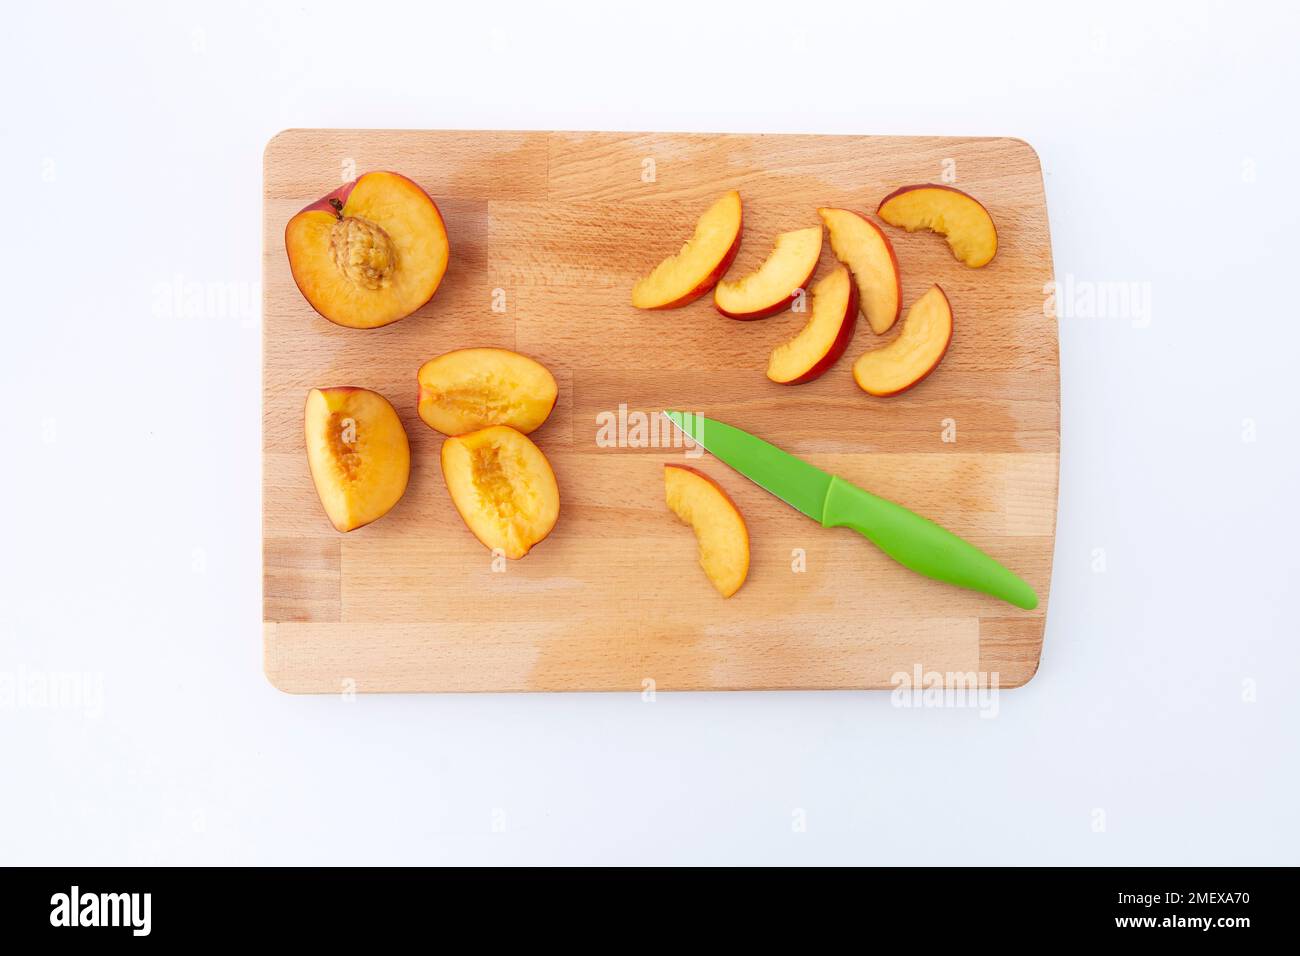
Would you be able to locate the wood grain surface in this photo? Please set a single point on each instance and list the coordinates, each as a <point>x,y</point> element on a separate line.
<point>561,225</point>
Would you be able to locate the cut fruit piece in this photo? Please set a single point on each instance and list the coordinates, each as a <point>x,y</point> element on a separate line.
<point>469,389</point>
<point>776,282</point>
<point>719,527</point>
<point>702,261</point>
<point>503,487</point>
<point>369,253</point>
<point>950,212</point>
<point>358,454</point>
<point>916,352</point>
<point>859,244</point>
<point>823,340</point>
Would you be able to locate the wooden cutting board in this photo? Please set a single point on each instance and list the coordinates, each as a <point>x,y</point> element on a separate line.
<point>548,232</point>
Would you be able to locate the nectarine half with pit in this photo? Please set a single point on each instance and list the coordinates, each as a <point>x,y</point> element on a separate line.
<point>950,212</point>
<point>719,527</point>
<point>369,253</point>
<point>859,244</point>
<point>503,487</point>
<point>916,351</point>
<point>774,285</point>
<point>701,262</point>
<point>469,389</point>
<point>358,454</point>
<point>823,340</point>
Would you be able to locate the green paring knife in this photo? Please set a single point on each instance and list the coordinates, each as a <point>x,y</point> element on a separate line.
<point>905,536</point>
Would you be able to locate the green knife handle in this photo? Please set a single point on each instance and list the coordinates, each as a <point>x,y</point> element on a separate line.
<point>920,544</point>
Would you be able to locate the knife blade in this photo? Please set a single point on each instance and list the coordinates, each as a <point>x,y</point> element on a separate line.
<point>911,540</point>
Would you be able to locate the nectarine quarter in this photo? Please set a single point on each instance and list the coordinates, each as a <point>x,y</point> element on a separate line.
<point>469,389</point>
<point>369,253</point>
<point>774,285</point>
<point>859,244</point>
<point>701,262</point>
<point>914,354</point>
<point>719,527</point>
<point>950,212</point>
<point>826,335</point>
<point>503,487</point>
<point>358,454</point>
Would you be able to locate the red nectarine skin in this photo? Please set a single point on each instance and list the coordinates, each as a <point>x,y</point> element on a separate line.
<point>333,201</point>
<point>795,248</point>
<point>336,200</point>
<point>696,267</point>
<point>841,343</point>
<point>776,309</point>
<point>711,279</point>
<point>907,189</point>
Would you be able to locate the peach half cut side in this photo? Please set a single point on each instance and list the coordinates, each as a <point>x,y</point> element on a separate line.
<point>823,340</point>
<point>859,244</point>
<point>469,389</point>
<point>972,237</point>
<point>773,286</point>
<point>358,454</point>
<point>702,261</point>
<point>369,253</point>
<point>914,354</point>
<point>719,527</point>
<point>503,487</point>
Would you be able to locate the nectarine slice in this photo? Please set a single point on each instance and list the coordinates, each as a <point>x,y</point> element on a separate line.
<point>916,352</point>
<point>503,487</point>
<point>369,253</point>
<point>774,285</point>
<point>701,262</point>
<point>469,389</point>
<point>859,244</point>
<point>358,454</point>
<point>823,340</point>
<point>719,527</point>
<point>950,212</point>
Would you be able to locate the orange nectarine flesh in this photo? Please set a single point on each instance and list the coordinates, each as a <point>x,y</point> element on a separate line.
<point>859,244</point>
<point>701,262</point>
<point>950,212</point>
<point>371,258</point>
<point>773,286</point>
<point>719,527</point>
<point>358,454</point>
<point>824,338</point>
<point>916,351</point>
<point>469,389</point>
<point>503,487</point>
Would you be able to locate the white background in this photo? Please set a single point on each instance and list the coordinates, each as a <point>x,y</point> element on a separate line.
<point>1161,727</point>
